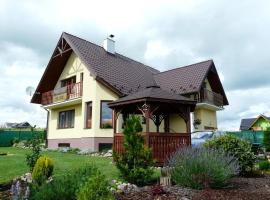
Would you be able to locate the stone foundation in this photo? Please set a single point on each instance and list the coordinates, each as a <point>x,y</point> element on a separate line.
<point>81,143</point>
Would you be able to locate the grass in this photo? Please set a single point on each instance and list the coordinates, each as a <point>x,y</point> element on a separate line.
<point>14,164</point>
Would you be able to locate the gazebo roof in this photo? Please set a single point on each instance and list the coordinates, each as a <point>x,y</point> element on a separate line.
<point>152,93</point>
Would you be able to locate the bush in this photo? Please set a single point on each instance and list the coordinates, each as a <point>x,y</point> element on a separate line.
<point>266,140</point>
<point>135,164</point>
<point>264,165</point>
<point>63,187</point>
<point>236,147</point>
<point>31,158</point>
<point>15,141</point>
<point>202,167</point>
<point>43,170</point>
<point>95,188</point>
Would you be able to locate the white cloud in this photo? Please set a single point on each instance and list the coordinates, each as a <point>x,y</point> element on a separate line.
<point>163,34</point>
<point>20,68</point>
<point>244,104</point>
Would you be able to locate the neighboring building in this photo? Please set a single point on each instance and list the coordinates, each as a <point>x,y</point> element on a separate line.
<point>261,123</point>
<point>17,125</point>
<point>82,78</point>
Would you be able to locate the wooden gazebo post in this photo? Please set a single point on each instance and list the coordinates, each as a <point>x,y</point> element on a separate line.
<point>114,121</point>
<point>145,109</point>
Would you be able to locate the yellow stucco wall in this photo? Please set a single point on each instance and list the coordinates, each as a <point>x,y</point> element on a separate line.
<point>92,91</point>
<point>208,118</point>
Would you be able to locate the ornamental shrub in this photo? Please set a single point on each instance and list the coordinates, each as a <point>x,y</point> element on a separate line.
<point>43,170</point>
<point>64,187</point>
<point>266,140</point>
<point>264,165</point>
<point>95,188</point>
<point>32,158</point>
<point>202,167</point>
<point>240,149</point>
<point>135,165</point>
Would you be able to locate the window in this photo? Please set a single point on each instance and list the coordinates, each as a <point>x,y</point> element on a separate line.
<point>63,144</point>
<point>68,81</point>
<point>88,115</point>
<point>66,119</point>
<point>105,115</point>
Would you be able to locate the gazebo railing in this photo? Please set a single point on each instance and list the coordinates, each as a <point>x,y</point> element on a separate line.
<point>163,145</point>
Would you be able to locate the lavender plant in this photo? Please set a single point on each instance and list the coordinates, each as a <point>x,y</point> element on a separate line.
<point>202,167</point>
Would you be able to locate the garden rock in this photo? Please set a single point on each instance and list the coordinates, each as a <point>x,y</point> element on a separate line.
<point>121,187</point>
<point>85,152</point>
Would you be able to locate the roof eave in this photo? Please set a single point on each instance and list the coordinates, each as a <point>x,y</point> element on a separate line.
<point>151,99</point>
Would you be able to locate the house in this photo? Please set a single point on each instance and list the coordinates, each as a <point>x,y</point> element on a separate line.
<point>9,125</point>
<point>89,90</point>
<point>261,123</point>
<point>16,125</point>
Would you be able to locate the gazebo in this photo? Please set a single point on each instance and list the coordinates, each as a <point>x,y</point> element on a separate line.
<point>158,105</point>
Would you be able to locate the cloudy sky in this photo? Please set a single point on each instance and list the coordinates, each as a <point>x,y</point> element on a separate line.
<point>163,34</point>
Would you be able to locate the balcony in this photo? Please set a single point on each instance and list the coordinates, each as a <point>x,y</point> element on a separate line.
<point>209,97</point>
<point>69,92</point>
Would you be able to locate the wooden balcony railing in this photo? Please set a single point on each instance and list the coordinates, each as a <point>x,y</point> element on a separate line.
<point>163,145</point>
<point>207,96</point>
<point>62,94</point>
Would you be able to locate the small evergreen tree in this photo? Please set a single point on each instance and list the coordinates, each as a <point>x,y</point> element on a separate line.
<point>266,139</point>
<point>135,164</point>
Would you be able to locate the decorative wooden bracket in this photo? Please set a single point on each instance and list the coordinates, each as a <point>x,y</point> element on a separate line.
<point>147,110</point>
<point>62,48</point>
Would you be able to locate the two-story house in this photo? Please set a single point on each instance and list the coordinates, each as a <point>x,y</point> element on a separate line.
<point>82,78</point>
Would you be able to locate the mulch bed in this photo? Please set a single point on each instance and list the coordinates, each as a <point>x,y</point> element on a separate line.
<point>5,191</point>
<point>241,188</point>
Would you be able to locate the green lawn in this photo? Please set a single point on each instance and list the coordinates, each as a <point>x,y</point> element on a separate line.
<point>14,165</point>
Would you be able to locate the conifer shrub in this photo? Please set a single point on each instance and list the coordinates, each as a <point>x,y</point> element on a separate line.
<point>135,164</point>
<point>43,169</point>
<point>240,149</point>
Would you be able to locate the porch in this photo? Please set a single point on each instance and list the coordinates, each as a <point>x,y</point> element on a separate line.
<point>157,105</point>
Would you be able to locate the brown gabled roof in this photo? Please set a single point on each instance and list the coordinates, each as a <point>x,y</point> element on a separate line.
<point>184,80</point>
<point>122,74</point>
<point>189,79</point>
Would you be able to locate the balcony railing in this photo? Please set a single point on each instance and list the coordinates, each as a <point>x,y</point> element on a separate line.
<point>62,94</point>
<point>207,96</point>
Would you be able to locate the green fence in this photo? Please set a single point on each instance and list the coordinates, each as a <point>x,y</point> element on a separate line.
<point>6,137</point>
<point>255,137</point>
